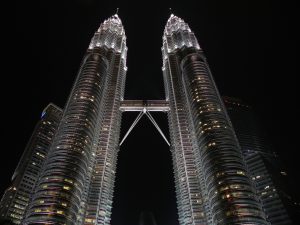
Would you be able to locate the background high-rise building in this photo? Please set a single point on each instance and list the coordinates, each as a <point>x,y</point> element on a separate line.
<point>16,198</point>
<point>265,167</point>
<point>147,218</point>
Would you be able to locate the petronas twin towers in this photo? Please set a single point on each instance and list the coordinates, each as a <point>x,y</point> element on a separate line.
<point>76,181</point>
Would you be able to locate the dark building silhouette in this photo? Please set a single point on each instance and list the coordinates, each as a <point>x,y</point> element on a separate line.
<point>147,218</point>
<point>5,222</point>
<point>266,169</point>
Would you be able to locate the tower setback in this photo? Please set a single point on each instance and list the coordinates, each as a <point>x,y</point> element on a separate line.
<point>75,181</point>
<point>212,183</point>
<point>76,184</point>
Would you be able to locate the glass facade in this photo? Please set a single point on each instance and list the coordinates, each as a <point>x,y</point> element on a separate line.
<point>265,168</point>
<point>71,177</point>
<point>111,39</point>
<point>212,183</point>
<point>77,180</point>
<point>16,198</point>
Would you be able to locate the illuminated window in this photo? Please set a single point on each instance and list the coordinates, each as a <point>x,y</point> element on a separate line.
<point>102,213</point>
<point>240,172</point>
<point>60,212</point>
<point>228,213</point>
<point>69,181</point>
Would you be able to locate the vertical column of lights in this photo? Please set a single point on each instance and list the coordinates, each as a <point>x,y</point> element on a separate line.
<point>111,38</point>
<point>190,205</point>
<point>61,188</point>
<point>15,200</point>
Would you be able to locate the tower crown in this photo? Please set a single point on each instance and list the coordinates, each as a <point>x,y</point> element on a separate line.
<point>114,24</point>
<point>111,34</point>
<point>177,34</point>
<point>174,24</point>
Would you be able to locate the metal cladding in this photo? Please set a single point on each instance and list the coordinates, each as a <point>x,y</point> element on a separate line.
<point>177,34</point>
<point>77,181</point>
<point>212,183</point>
<point>74,182</point>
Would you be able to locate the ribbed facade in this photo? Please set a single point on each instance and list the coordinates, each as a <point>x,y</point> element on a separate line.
<point>263,165</point>
<point>16,198</point>
<point>212,183</point>
<point>68,172</point>
<point>99,203</point>
<point>76,183</point>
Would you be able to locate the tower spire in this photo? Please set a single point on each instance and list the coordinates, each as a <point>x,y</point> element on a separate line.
<point>171,12</point>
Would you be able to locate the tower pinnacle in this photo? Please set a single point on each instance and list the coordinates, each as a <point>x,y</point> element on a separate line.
<point>110,34</point>
<point>177,34</point>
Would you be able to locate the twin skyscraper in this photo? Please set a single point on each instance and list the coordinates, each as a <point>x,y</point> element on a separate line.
<point>67,175</point>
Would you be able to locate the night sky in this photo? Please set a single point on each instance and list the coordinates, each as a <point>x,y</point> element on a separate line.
<point>249,47</point>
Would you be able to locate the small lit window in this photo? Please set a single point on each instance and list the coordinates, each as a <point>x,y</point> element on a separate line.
<point>60,212</point>
<point>68,180</point>
<point>240,172</point>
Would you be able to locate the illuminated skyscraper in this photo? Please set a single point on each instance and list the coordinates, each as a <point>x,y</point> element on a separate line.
<point>212,184</point>
<point>77,180</point>
<point>16,198</point>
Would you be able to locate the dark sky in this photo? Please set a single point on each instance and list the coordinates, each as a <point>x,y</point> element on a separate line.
<point>249,47</point>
